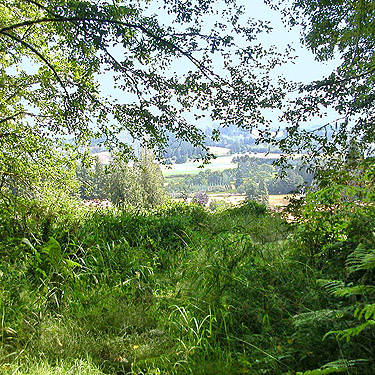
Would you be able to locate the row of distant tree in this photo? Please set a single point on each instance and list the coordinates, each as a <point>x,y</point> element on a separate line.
<point>140,184</point>
<point>237,141</point>
<point>179,151</point>
<point>254,177</point>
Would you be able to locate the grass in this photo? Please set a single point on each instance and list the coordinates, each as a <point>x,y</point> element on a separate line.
<point>274,201</point>
<point>221,163</point>
<point>279,200</point>
<point>219,151</point>
<point>176,173</point>
<point>72,367</point>
<point>176,290</point>
<point>193,168</point>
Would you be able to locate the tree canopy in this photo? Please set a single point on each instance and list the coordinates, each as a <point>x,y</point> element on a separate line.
<point>72,43</point>
<point>344,30</point>
<point>52,54</point>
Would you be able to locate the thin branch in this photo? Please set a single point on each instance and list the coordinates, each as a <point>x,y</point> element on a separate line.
<point>12,117</point>
<point>39,6</point>
<point>324,127</point>
<point>121,67</point>
<point>10,134</point>
<point>2,120</point>
<point>87,33</point>
<point>328,82</point>
<point>31,48</point>
<point>186,54</point>
<point>207,72</point>
<point>19,88</point>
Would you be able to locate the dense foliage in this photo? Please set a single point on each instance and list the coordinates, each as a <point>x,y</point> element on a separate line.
<point>345,31</point>
<point>72,43</point>
<point>164,291</point>
<point>154,287</point>
<point>181,290</point>
<point>140,184</point>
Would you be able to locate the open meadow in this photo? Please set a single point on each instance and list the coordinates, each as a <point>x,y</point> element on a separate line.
<point>219,164</point>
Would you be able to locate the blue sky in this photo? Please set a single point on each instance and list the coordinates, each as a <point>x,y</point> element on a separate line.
<point>304,69</point>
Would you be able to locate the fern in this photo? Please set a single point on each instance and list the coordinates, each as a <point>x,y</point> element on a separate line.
<point>332,286</point>
<point>335,367</point>
<point>332,370</point>
<point>358,290</point>
<point>313,317</point>
<point>340,289</point>
<point>366,312</point>
<point>348,333</point>
<point>361,259</point>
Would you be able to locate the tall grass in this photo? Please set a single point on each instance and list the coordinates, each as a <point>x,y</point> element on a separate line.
<point>176,290</point>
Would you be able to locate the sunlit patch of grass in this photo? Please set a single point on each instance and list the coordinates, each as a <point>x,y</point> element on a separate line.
<point>61,367</point>
<point>188,168</point>
<point>168,291</point>
<point>281,200</point>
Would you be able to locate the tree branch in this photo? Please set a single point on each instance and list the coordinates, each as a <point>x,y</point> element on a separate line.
<point>12,117</point>
<point>207,72</point>
<point>31,48</point>
<point>2,120</point>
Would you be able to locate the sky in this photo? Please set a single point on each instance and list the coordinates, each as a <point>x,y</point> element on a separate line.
<point>304,69</point>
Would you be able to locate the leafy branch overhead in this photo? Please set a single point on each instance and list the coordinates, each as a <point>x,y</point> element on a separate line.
<point>344,31</point>
<point>61,49</point>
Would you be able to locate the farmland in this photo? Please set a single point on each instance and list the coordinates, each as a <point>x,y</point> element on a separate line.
<point>274,201</point>
<point>219,164</point>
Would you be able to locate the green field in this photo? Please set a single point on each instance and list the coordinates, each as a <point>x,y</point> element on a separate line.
<point>218,164</point>
<point>193,168</point>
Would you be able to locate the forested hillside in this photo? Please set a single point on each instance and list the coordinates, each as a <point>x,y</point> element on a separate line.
<point>146,285</point>
<point>235,139</point>
<point>254,177</point>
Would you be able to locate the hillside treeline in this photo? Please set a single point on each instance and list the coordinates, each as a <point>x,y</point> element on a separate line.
<point>237,141</point>
<point>254,177</point>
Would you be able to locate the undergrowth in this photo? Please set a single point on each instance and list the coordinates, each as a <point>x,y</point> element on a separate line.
<point>175,290</point>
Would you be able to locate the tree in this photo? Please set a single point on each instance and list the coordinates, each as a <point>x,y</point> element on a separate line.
<point>72,42</point>
<point>122,184</point>
<point>37,183</point>
<point>140,184</point>
<point>345,30</point>
<point>150,180</point>
<point>289,183</point>
<point>256,191</point>
<point>201,198</point>
<point>336,222</point>
<point>92,180</point>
